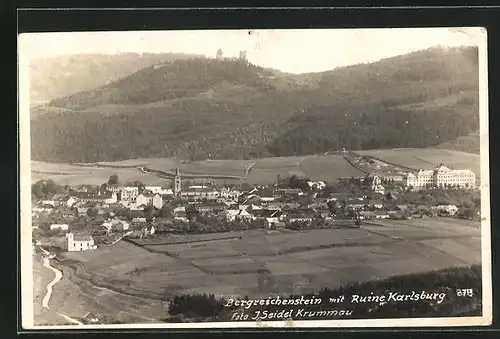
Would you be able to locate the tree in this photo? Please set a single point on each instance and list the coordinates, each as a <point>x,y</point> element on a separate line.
<point>148,213</point>
<point>45,188</point>
<point>113,180</point>
<point>92,212</point>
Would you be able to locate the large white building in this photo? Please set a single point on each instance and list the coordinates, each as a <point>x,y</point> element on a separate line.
<point>77,242</point>
<point>129,193</point>
<point>441,176</point>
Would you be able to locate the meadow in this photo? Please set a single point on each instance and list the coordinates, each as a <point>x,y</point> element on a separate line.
<point>291,261</point>
<point>427,158</point>
<point>266,170</point>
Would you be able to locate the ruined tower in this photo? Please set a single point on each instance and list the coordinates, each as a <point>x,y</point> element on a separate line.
<point>219,55</point>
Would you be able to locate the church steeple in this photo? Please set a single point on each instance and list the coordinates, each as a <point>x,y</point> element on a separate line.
<point>177,182</point>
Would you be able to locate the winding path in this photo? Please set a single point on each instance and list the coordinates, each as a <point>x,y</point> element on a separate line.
<point>57,278</point>
<point>46,298</point>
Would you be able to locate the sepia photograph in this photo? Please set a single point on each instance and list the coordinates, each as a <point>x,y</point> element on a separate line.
<point>254,178</point>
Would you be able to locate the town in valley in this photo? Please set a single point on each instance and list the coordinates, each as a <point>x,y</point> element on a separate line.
<point>166,183</point>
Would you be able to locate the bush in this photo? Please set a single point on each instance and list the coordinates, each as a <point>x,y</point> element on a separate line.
<point>198,305</point>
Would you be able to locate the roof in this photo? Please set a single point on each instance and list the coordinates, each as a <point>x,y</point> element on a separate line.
<point>148,194</point>
<point>82,237</point>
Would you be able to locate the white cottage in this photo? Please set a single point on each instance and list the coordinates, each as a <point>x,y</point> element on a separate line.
<point>80,242</point>
<point>62,227</point>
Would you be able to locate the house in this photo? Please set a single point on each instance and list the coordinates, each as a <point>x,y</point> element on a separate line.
<point>376,204</point>
<point>148,230</point>
<point>134,207</point>
<point>129,193</point>
<point>237,214</point>
<point>229,194</point>
<point>447,209</point>
<point>281,192</point>
<point>356,204</point>
<point>91,318</point>
<point>278,224</point>
<point>82,210</point>
<point>154,189</point>
<point>266,195</point>
<point>319,206</point>
<point>252,199</point>
<point>200,193</point>
<point>317,185</point>
<point>422,209</point>
<point>181,218</point>
<point>275,206</point>
<point>367,215</point>
<point>204,209</point>
<point>272,217</point>
<point>70,201</point>
<point>80,242</point>
<point>167,192</point>
<point>148,198</point>
<point>210,208</point>
<point>48,203</point>
<point>100,197</point>
<point>337,196</point>
<point>107,226</point>
<point>62,227</point>
<point>254,207</point>
<point>381,214</point>
<point>179,209</point>
<point>378,189</point>
<point>139,221</point>
<point>299,218</point>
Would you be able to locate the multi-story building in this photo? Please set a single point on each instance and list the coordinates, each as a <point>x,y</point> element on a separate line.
<point>229,194</point>
<point>149,198</point>
<point>200,193</point>
<point>441,176</point>
<point>129,193</point>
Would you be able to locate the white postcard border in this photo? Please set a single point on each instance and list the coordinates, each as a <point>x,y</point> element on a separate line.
<point>478,34</point>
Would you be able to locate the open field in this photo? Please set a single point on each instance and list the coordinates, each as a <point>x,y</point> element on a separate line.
<point>295,262</point>
<point>265,171</point>
<point>427,158</point>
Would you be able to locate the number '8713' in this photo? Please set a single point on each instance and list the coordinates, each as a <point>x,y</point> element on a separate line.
<point>465,292</point>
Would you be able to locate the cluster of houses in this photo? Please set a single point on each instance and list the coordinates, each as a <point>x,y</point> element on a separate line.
<point>148,210</point>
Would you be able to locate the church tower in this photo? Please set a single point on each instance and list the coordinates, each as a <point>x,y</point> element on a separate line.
<point>177,183</point>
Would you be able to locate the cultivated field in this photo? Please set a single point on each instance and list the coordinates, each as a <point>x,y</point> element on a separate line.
<point>265,171</point>
<point>427,158</point>
<point>293,262</point>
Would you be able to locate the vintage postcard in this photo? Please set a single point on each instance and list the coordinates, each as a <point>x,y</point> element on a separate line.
<point>255,178</point>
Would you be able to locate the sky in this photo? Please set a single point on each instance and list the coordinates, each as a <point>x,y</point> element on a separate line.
<point>294,51</point>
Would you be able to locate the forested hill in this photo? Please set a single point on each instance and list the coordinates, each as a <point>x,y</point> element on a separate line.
<point>468,143</point>
<point>204,108</point>
<point>60,76</point>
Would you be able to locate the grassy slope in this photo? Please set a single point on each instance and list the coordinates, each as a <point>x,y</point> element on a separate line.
<point>467,143</point>
<point>204,108</point>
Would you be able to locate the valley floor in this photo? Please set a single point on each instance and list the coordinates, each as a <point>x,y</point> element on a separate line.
<point>127,281</point>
